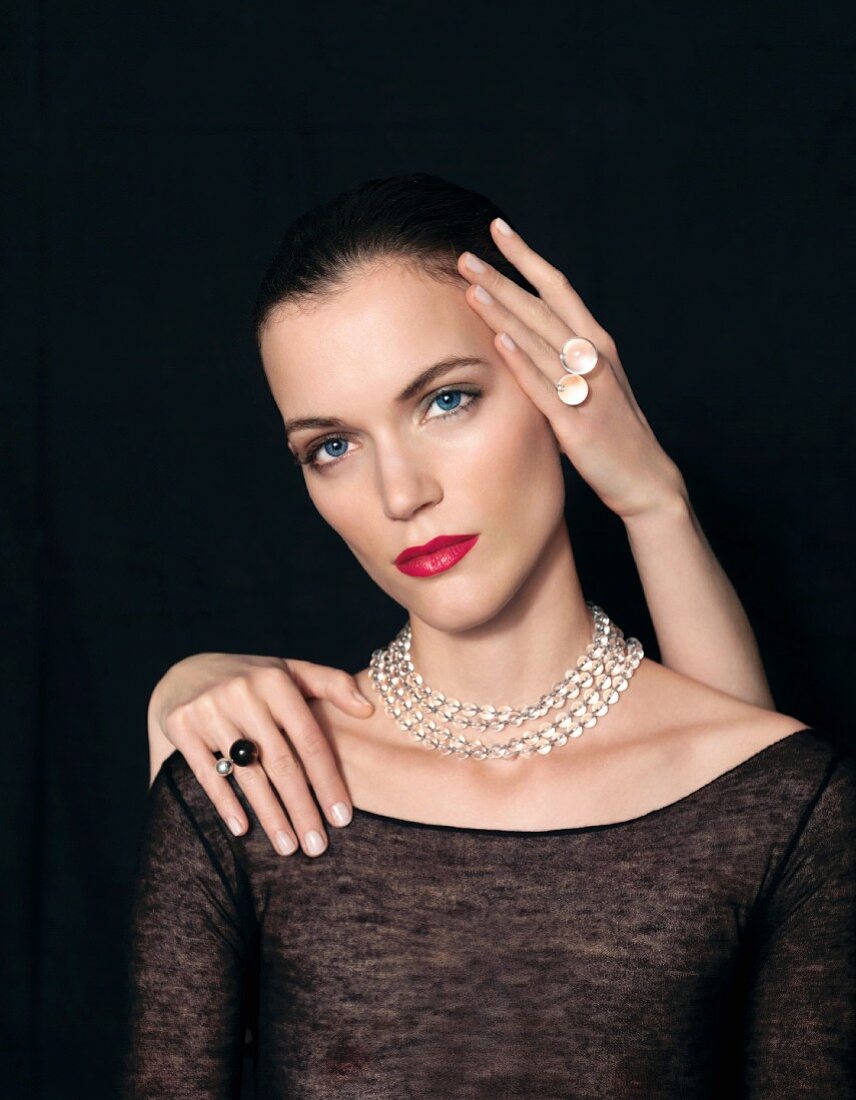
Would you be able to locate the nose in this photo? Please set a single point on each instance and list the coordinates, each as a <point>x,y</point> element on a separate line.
<point>405,480</point>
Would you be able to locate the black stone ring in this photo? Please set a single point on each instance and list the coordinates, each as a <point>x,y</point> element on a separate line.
<point>243,752</point>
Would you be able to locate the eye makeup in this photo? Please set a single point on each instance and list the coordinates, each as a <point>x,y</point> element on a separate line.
<point>309,456</point>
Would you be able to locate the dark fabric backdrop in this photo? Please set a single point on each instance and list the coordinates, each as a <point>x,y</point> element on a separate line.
<point>690,168</point>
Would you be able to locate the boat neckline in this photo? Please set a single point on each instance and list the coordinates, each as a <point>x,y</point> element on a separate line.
<point>754,759</point>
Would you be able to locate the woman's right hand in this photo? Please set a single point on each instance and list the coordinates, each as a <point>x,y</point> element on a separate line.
<point>206,702</point>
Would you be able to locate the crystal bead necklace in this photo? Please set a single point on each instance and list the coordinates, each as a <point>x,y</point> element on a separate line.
<point>601,674</point>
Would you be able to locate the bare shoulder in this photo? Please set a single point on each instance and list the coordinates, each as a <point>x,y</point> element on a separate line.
<point>668,736</point>
<point>663,712</point>
<point>715,730</point>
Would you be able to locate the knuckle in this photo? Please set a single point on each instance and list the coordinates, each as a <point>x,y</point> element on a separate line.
<point>249,778</point>
<point>238,689</point>
<point>269,677</point>
<point>544,308</point>
<point>179,721</point>
<point>282,765</point>
<point>559,279</point>
<point>544,348</point>
<point>205,706</point>
<point>609,376</point>
<point>345,680</point>
<point>313,743</point>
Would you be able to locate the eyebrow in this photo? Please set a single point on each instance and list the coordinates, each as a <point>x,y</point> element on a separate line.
<point>423,379</point>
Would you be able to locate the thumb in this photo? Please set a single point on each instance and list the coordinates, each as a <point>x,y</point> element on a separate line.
<point>357,703</point>
<point>334,684</point>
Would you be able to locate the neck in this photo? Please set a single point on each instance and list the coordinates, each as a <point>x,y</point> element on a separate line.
<point>520,653</point>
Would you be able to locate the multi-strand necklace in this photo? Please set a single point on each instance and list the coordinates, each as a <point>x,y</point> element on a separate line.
<point>601,674</point>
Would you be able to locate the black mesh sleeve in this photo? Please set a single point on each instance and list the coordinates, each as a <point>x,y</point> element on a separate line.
<point>801,1010</point>
<point>191,950</point>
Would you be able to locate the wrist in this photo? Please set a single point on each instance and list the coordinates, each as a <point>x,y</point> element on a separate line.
<point>669,510</point>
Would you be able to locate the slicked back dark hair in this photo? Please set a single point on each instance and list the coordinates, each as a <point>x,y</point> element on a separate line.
<point>415,218</point>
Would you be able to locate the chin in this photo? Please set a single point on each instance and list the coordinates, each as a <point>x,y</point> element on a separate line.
<point>457,608</point>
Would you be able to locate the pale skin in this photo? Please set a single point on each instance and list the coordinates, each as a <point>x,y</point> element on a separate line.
<point>509,617</point>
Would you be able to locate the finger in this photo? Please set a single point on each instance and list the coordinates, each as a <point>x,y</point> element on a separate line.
<point>285,699</point>
<point>202,763</point>
<point>205,727</point>
<point>196,731</point>
<point>323,682</point>
<point>531,322</point>
<point>531,378</point>
<point>246,702</point>
<point>556,295</point>
<point>621,376</point>
<point>254,782</point>
<point>552,284</point>
<point>501,319</point>
<point>538,317</point>
<point>533,312</point>
<point>542,356</point>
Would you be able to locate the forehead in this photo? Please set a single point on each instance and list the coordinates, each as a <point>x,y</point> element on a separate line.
<point>377,331</point>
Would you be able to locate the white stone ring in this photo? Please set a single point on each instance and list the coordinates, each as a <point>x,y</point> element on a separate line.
<point>578,356</point>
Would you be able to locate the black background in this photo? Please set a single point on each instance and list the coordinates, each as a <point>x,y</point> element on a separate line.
<point>690,168</point>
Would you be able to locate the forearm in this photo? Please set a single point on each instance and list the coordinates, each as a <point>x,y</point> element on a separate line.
<point>701,627</point>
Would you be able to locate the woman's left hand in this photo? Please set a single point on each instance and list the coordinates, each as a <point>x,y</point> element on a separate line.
<point>607,437</point>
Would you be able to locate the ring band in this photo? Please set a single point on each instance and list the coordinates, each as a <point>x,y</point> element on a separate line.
<point>573,388</point>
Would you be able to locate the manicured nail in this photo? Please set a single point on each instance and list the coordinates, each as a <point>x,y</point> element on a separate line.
<point>235,825</point>
<point>285,844</point>
<point>341,813</point>
<point>314,843</point>
<point>474,263</point>
<point>506,339</point>
<point>503,226</point>
<point>482,294</point>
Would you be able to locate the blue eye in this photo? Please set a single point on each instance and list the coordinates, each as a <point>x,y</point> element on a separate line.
<point>449,393</point>
<point>332,443</point>
<point>310,459</point>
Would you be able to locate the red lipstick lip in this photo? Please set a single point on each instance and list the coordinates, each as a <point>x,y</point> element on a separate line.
<point>437,543</point>
<point>437,560</point>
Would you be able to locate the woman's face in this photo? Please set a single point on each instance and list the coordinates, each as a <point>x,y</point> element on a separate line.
<point>398,471</point>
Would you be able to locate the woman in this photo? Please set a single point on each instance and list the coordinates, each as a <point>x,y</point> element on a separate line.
<point>643,886</point>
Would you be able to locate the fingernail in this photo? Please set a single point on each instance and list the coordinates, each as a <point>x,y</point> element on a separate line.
<point>506,339</point>
<point>360,698</point>
<point>285,844</point>
<point>235,825</point>
<point>482,294</point>
<point>341,813</point>
<point>503,226</point>
<point>474,263</point>
<point>314,843</point>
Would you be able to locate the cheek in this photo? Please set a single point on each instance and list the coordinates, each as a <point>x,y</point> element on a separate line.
<point>340,510</point>
<point>503,470</point>
<point>345,513</point>
<point>517,466</point>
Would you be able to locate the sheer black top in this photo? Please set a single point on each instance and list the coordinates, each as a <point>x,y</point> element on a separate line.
<point>707,948</point>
